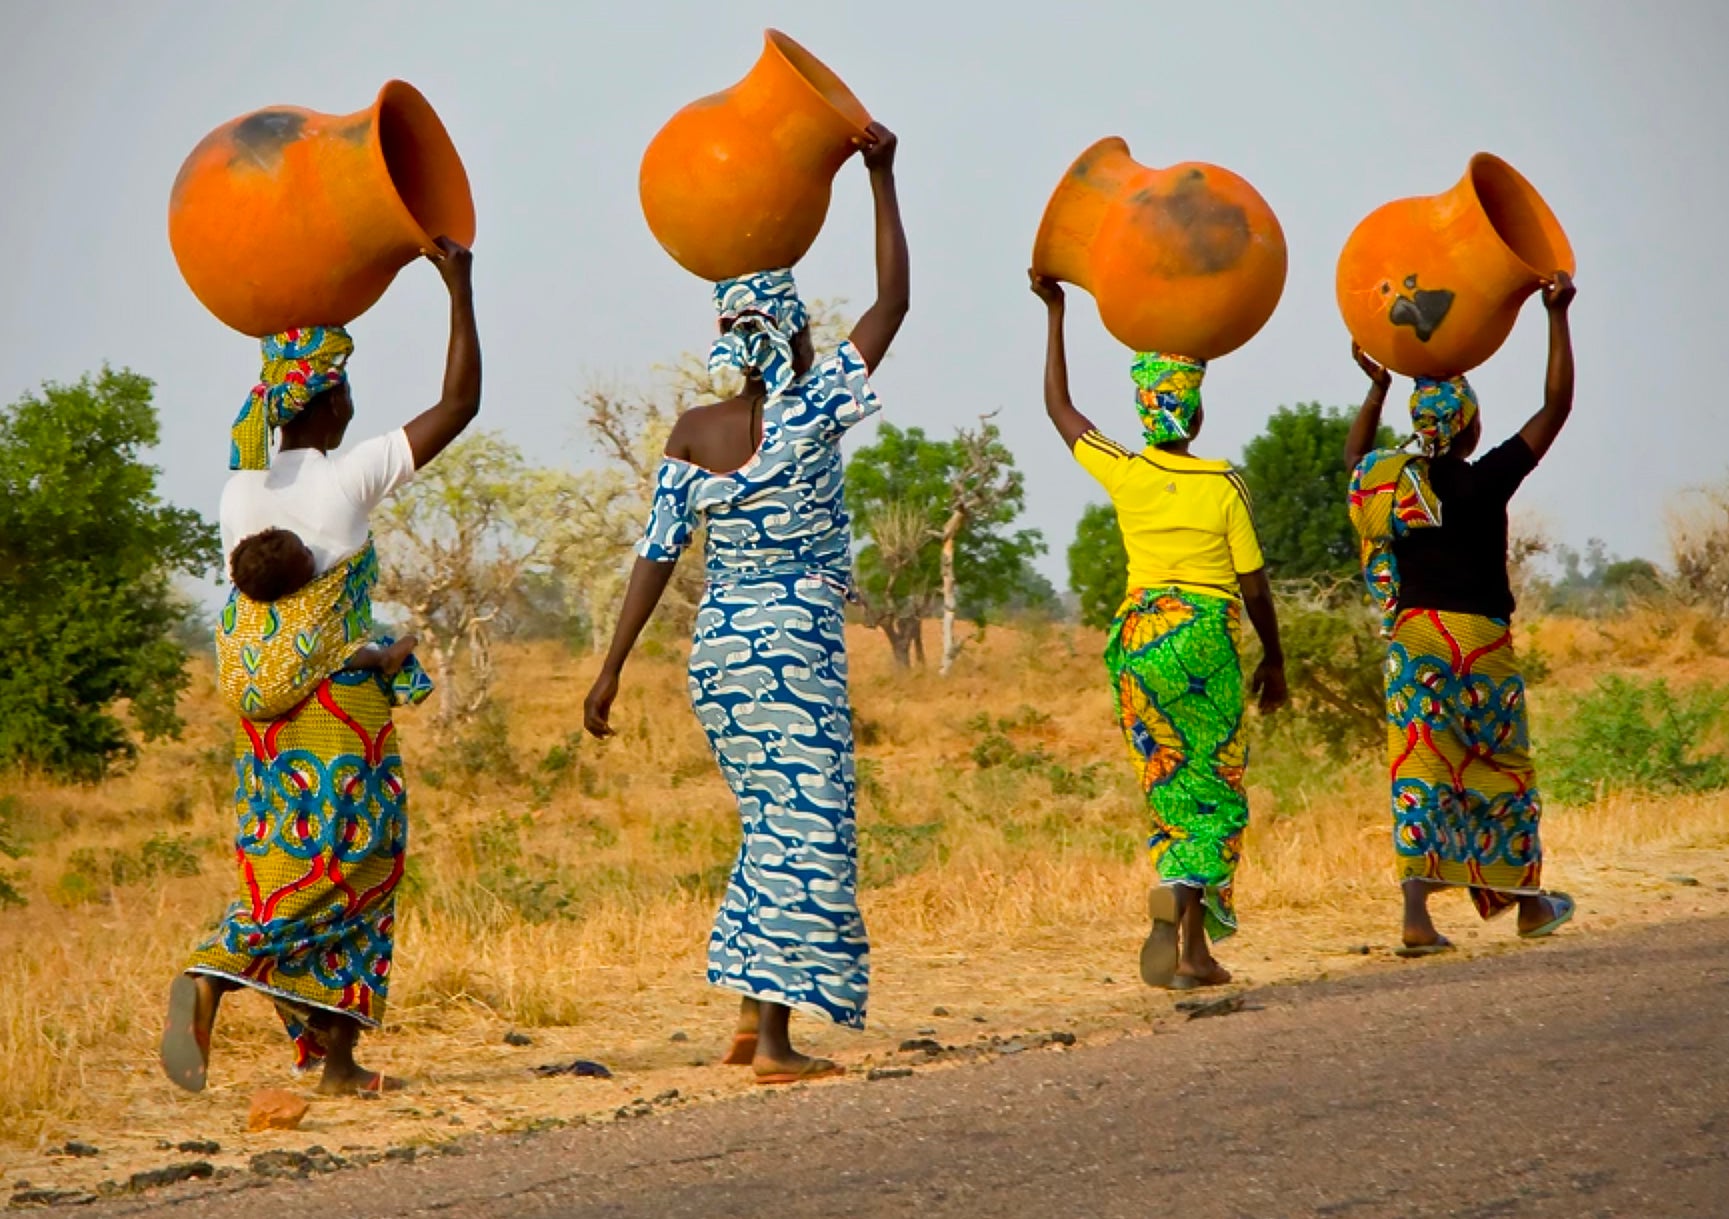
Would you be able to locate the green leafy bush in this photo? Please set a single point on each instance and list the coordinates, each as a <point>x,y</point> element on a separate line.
<point>1632,736</point>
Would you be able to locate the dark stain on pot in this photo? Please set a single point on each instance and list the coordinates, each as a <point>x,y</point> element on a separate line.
<point>260,138</point>
<point>1423,310</point>
<point>1195,231</point>
<point>358,131</point>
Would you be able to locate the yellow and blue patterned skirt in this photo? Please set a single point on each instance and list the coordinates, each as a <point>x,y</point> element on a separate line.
<point>1465,801</point>
<point>321,842</point>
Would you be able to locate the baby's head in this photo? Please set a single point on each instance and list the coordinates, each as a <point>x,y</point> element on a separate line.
<point>271,565</point>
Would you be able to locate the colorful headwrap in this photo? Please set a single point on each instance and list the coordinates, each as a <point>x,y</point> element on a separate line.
<point>766,314</point>
<point>298,366</point>
<point>1390,489</point>
<point>1167,394</point>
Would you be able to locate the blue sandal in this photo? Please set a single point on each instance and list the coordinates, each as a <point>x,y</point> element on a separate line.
<point>1562,907</point>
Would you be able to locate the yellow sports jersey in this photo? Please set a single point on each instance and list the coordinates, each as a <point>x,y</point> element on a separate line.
<point>1186,521</point>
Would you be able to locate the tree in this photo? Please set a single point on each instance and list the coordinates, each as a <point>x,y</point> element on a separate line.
<point>1699,547</point>
<point>88,555</point>
<point>456,545</point>
<point>1296,475</point>
<point>914,499</point>
<point>984,480</point>
<point>1098,565</point>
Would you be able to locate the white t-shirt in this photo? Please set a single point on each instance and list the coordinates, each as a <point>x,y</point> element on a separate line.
<point>326,500</point>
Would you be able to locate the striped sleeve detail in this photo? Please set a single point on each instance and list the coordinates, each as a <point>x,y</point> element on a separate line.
<point>1103,443</point>
<point>1236,480</point>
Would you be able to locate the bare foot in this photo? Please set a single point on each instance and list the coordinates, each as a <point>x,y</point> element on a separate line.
<point>1200,973</point>
<point>353,1079</point>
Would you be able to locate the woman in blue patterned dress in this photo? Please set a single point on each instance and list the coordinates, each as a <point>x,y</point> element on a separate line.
<point>768,676</point>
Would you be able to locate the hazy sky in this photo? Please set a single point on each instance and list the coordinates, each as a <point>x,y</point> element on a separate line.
<point>1616,111</point>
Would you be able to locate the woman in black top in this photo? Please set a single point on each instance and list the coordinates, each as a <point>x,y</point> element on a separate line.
<point>1434,526</point>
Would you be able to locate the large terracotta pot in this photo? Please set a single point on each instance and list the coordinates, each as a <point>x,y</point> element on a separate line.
<point>739,181</point>
<point>1430,286</point>
<point>286,217</point>
<point>1189,259</point>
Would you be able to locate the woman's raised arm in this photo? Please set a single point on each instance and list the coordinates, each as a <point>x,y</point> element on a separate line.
<point>431,432</point>
<point>1068,421</point>
<point>1547,423</point>
<point>882,321</point>
<point>1361,437</point>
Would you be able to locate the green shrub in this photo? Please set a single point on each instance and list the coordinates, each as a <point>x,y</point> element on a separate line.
<point>1335,663</point>
<point>1629,736</point>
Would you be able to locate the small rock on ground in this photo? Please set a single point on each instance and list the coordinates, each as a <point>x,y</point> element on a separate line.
<point>515,1038</point>
<point>173,1174</point>
<point>275,1109</point>
<point>888,1073</point>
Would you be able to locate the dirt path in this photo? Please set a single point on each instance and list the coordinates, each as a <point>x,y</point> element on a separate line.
<point>1575,1079</point>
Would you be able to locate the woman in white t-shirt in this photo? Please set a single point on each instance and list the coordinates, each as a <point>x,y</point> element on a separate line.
<point>321,803</point>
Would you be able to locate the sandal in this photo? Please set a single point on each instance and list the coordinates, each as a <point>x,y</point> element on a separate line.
<point>816,1068</point>
<point>1412,951</point>
<point>1159,951</point>
<point>1562,908</point>
<point>743,1051</point>
<point>185,1056</point>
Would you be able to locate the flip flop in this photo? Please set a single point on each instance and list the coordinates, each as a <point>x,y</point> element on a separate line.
<point>185,1058</point>
<point>1564,908</point>
<point>743,1051</point>
<point>1412,951</point>
<point>1159,951</point>
<point>816,1068</point>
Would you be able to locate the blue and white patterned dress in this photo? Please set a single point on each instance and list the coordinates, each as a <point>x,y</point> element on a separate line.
<point>768,680</point>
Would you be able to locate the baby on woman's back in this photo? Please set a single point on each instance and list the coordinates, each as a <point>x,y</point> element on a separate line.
<point>275,563</point>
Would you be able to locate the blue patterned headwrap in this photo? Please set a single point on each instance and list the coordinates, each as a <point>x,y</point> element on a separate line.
<point>766,314</point>
<point>1440,411</point>
<point>1167,394</point>
<point>298,366</point>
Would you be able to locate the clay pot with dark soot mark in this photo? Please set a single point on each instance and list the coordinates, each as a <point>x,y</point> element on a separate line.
<point>1431,286</point>
<point>286,217</point>
<point>739,181</point>
<point>1188,260</point>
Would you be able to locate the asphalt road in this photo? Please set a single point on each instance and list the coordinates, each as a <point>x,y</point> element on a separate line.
<point>1583,1078</point>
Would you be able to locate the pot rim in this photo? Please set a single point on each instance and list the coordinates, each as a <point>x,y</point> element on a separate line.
<point>1500,165</point>
<point>400,91</point>
<point>1046,219</point>
<point>779,42</point>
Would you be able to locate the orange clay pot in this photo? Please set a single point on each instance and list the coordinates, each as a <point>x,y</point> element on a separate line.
<point>1430,287</point>
<point>286,217</point>
<point>1188,260</point>
<point>739,181</point>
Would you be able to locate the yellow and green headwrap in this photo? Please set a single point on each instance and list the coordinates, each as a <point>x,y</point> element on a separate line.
<point>298,366</point>
<point>1167,394</point>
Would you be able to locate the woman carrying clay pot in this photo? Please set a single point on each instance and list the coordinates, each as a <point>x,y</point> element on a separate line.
<point>761,472</point>
<point>1434,528</point>
<point>321,801</point>
<point>1173,653</point>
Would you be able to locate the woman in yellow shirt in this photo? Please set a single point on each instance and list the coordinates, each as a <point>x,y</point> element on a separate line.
<point>1174,649</point>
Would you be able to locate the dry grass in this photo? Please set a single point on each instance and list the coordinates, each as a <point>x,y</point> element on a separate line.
<point>567,887</point>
